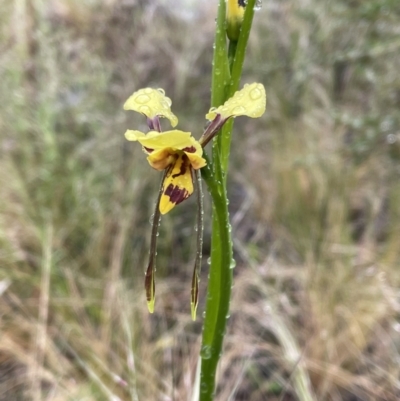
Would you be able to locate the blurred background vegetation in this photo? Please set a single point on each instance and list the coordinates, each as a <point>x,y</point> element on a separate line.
<point>314,201</point>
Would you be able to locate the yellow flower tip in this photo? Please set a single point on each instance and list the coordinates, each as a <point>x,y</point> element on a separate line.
<point>151,102</point>
<point>166,205</point>
<point>234,18</point>
<point>250,102</point>
<point>150,305</point>
<point>193,307</point>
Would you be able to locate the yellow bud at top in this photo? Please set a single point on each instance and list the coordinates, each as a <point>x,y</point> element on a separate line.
<point>234,18</point>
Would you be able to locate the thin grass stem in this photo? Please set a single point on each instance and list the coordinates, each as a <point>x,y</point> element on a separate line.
<point>41,332</point>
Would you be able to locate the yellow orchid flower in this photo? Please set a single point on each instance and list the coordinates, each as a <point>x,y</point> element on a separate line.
<point>178,154</point>
<point>176,151</point>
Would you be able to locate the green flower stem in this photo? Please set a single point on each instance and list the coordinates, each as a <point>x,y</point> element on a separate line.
<point>227,69</point>
<point>219,284</point>
<point>231,53</point>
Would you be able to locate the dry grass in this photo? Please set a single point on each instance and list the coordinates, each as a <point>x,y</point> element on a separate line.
<point>315,204</point>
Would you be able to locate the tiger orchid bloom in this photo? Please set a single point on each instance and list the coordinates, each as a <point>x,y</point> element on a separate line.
<point>179,155</point>
<point>174,150</point>
<point>177,150</point>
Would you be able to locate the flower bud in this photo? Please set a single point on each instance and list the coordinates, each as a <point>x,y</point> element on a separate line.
<point>234,18</point>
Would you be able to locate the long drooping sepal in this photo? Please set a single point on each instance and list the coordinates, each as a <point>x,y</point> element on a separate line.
<point>150,286</point>
<point>149,282</point>
<point>194,294</point>
<point>199,246</point>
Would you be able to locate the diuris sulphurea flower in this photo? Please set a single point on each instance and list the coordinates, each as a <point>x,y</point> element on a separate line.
<point>179,153</point>
<point>174,150</point>
<point>180,156</point>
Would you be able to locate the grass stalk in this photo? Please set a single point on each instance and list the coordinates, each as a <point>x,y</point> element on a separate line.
<point>41,331</point>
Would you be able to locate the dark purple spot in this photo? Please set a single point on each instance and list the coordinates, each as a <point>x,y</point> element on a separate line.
<point>184,166</point>
<point>189,149</point>
<point>182,171</point>
<point>176,194</point>
<point>148,150</point>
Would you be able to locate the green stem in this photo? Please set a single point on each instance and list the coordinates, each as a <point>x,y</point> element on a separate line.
<point>219,285</point>
<point>224,85</point>
<point>231,53</point>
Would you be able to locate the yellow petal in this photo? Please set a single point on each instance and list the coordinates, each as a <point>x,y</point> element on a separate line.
<point>175,139</point>
<point>162,147</point>
<point>151,103</point>
<point>178,184</point>
<point>133,135</point>
<point>250,101</point>
<point>162,158</point>
<point>195,160</point>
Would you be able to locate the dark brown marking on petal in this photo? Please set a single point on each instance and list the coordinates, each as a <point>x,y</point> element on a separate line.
<point>184,167</point>
<point>148,150</point>
<point>176,194</point>
<point>190,149</point>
